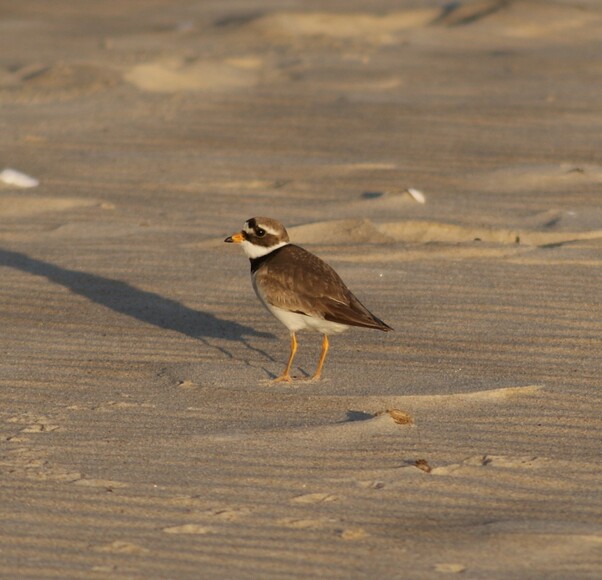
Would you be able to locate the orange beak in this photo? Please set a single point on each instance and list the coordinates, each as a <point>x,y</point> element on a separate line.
<point>235,239</point>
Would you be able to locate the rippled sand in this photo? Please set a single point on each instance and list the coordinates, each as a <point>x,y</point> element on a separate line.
<point>141,437</point>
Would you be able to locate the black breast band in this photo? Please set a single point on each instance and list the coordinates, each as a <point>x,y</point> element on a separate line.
<point>257,262</point>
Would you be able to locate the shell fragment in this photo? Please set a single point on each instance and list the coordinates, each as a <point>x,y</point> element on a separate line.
<point>14,177</point>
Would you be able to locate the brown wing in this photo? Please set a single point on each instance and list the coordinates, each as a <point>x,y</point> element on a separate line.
<point>301,282</point>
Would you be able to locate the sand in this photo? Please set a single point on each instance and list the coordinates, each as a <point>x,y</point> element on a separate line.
<point>140,435</point>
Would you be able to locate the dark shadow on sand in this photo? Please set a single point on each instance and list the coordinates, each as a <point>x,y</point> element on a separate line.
<point>146,306</point>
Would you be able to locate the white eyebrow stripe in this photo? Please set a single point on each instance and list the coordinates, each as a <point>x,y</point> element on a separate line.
<point>247,229</point>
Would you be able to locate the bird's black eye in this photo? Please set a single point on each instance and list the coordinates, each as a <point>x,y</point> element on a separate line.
<point>259,233</point>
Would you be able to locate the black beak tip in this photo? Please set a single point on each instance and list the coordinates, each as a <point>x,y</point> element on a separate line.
<point>228,239</point>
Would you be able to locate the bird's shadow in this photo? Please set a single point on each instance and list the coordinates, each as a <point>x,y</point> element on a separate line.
<point>145,306</point>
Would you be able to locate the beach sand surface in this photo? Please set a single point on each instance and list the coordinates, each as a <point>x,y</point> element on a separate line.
<point>140,436</point>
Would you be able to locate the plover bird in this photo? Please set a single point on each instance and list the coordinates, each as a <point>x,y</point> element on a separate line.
<point>298,288</point>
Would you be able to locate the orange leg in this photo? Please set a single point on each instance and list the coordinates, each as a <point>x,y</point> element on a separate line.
<point>316,375</point>
<point>285,376</point>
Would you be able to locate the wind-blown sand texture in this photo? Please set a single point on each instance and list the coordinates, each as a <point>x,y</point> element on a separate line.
<point>140,436</point>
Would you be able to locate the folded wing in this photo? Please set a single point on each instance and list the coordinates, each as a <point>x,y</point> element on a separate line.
<point>303,283</point>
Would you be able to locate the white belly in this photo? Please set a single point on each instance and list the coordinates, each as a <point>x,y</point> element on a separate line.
<point>295,321</point>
